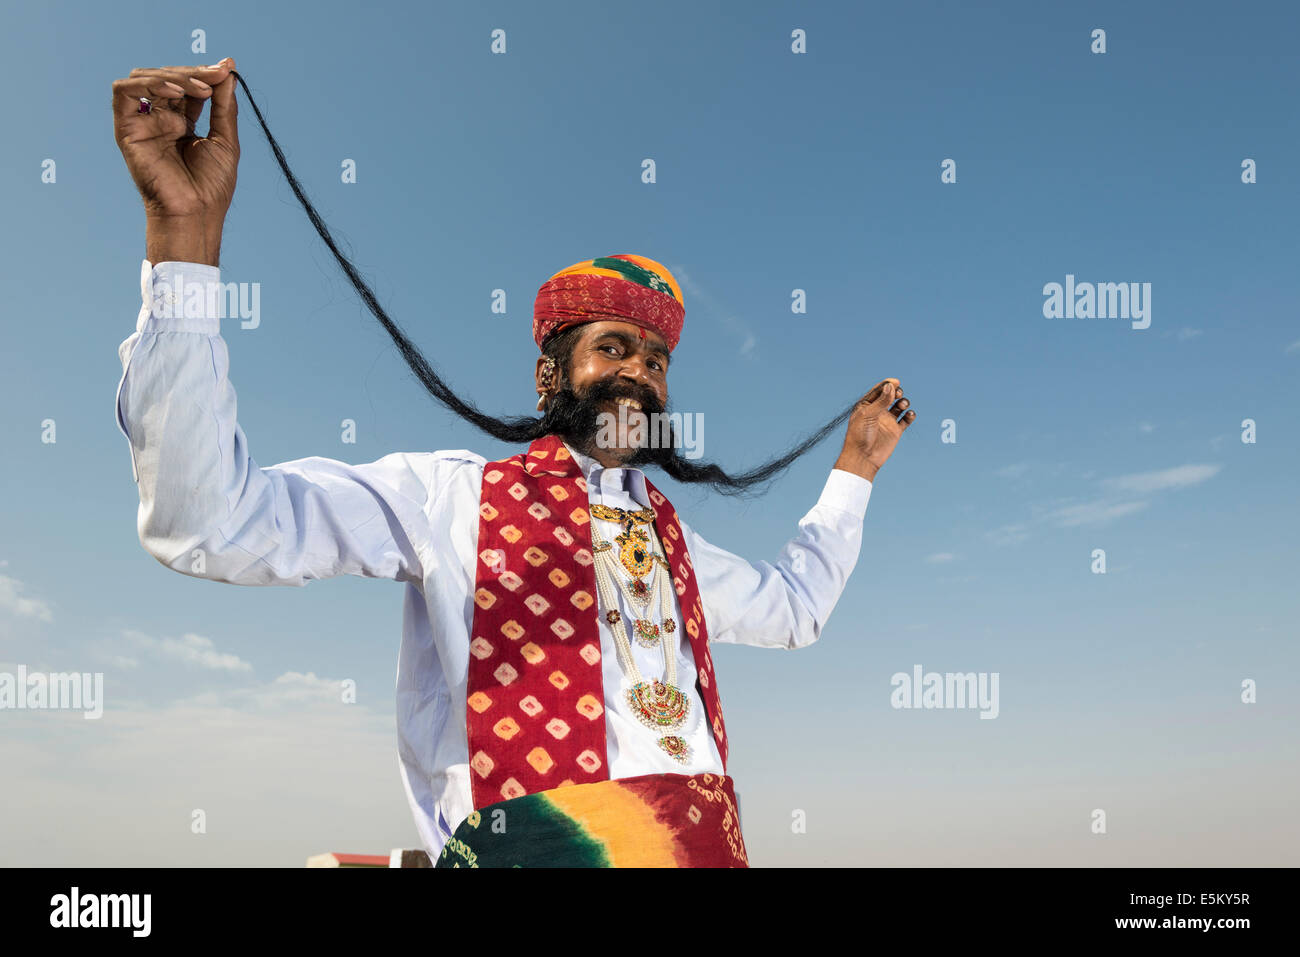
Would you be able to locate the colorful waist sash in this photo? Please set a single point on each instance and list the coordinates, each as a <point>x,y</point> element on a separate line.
<point>652,820</point>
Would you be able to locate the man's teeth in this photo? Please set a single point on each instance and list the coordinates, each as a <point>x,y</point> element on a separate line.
<point>632,403</point>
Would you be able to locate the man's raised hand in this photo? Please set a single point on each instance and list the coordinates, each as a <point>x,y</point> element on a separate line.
<point>187,182</point>
<point>874,429</point>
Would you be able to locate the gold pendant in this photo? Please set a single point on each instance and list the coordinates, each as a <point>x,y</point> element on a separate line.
<point>634,553</point>
<point>658,705</point>
<point>676,747</point>
<point>646,633</point>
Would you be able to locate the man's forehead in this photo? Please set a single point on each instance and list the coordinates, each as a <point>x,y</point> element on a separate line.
<point>605,326</point>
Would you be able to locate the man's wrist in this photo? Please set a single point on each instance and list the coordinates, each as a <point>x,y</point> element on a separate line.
<point>187,239</point>
<point>858,465</point>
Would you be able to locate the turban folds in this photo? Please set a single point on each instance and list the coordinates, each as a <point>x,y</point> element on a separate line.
<point>627,288</point>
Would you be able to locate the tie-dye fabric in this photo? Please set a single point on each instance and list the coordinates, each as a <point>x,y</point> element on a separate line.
<point>628,288</point>
<point>652,820</point>
<point>535,696</point>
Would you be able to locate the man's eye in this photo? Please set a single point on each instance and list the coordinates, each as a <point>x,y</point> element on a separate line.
<point>612,348</point>
<point>655,363</point>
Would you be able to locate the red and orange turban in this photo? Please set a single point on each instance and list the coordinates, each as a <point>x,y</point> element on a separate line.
<point>627,288</point>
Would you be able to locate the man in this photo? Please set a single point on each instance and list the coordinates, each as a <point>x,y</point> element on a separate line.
<point>556,699</point>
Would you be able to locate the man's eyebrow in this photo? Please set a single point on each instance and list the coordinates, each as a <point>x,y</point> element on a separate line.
<point>629,340</point>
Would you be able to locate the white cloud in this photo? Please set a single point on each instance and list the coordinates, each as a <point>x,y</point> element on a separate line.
<point>1015,470</point>
<point>1040,470</point>
<point>1186,332</point>
<point>1116,501</point>
<point>190,649</point>
<point>291,688</point>
<point>1180,476</point>
<point>940,557</point>
<point>12,600</point>
<point>1009,534</point>
<point>281,769</point>
<point>1092,513</point>
<point>1293,347</point>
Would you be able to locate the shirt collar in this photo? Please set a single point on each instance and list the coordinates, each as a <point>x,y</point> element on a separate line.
<point>599,476</point>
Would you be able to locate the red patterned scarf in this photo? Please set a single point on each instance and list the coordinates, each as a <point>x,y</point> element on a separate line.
<point>536,699</point>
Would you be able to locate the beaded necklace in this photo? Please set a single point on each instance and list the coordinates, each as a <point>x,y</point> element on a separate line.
<point>659,705</point>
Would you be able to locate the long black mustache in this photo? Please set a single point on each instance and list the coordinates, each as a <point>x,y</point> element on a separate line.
<point>566,412</point>
<point>576,418</point>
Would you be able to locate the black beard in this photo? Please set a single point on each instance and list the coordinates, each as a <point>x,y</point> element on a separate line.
<point>576,418</point>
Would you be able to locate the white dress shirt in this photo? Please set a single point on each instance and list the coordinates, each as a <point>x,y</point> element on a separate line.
<point>413,517</point>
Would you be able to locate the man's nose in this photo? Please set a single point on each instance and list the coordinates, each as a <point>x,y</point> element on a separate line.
<point>636,371</point>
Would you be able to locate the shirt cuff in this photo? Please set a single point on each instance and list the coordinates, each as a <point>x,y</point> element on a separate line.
<point>847,492</point>
<point>180,297</point>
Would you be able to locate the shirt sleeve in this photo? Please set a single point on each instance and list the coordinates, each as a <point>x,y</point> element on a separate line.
<point>786,604</point>
<point>206,508</point>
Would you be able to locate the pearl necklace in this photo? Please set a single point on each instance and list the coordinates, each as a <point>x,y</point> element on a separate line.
<point>659,705</point>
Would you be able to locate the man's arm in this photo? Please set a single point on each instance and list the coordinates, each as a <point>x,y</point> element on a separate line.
<point>786,604</point>
<point>207,509</point>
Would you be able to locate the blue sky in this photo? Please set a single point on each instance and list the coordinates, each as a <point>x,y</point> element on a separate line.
<point>775,171</point>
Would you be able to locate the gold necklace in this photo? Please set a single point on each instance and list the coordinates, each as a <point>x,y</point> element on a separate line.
<point>639,594</point>
<point>659,705</point>
<point>635,553</point>
<point>625,517</point>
